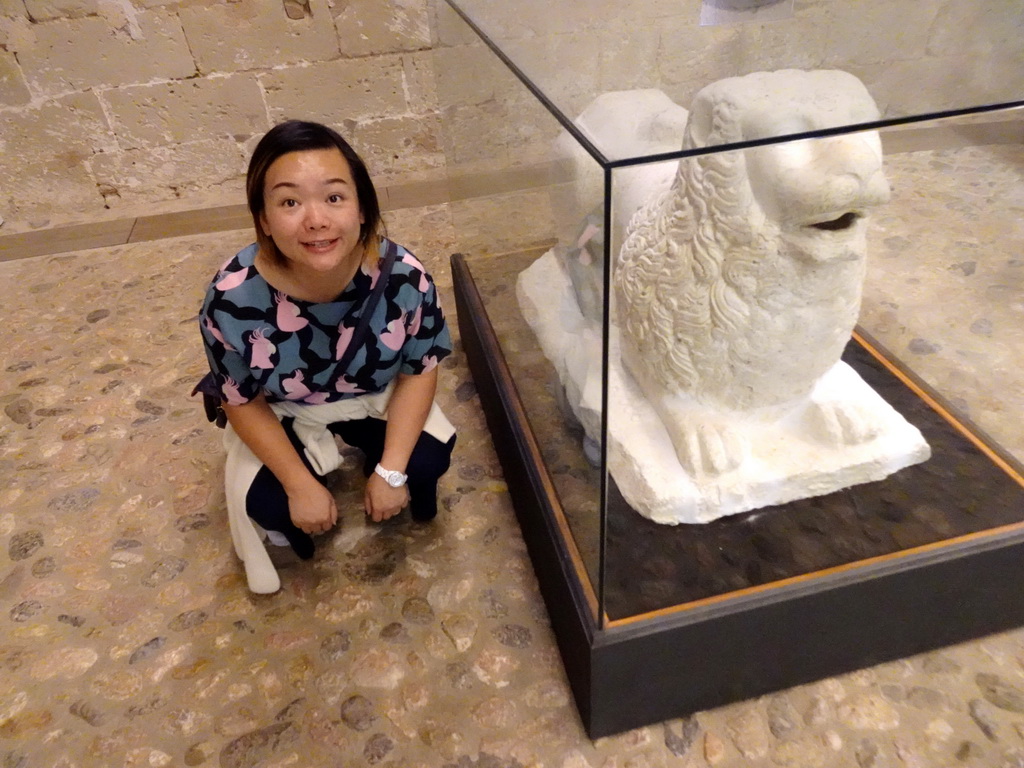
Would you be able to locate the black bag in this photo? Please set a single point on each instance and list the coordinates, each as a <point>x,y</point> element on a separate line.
<point>207,386</point>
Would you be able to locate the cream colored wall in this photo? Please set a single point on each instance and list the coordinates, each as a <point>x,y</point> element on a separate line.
<point>112,108</point>
<point>109,108</point>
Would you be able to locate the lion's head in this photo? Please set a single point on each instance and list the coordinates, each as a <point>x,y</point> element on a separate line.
<point>741,284</point>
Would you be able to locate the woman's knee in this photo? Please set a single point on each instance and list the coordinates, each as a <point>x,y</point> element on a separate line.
<point>430,459</point>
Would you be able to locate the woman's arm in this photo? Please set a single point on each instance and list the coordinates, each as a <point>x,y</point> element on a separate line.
<point>310,505</point>
<point>407,413</point>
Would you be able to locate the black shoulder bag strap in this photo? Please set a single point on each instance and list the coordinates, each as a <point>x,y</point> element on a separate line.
<point>368,309</point>
<point>208,384</point>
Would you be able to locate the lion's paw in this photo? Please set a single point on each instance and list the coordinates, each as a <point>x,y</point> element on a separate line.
<point>708,448</point>
<point>836,423</point>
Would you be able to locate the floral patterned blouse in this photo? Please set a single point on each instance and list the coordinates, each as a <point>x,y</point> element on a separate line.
<point>260,339</point>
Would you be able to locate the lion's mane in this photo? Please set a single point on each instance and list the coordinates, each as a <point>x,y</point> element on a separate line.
<point>683,277</point>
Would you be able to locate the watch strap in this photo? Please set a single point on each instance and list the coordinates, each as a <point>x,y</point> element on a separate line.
<point>393,477</point>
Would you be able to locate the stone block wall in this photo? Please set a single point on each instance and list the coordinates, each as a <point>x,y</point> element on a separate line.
<point>111,107</point>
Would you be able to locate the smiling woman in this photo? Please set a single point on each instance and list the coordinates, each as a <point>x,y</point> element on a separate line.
<point>313,218</point>
<point>322,327</point>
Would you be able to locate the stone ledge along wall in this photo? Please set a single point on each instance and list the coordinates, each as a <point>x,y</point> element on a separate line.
<point>112,108</point>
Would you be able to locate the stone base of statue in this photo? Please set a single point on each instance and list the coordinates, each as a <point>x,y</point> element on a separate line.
<point>805,452</point>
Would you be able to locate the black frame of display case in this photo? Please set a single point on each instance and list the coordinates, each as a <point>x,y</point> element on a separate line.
<point>671,663</point>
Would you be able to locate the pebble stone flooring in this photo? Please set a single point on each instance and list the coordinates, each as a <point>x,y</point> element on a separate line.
<point>128,637</point>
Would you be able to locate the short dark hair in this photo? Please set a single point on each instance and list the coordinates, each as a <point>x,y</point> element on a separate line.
<point>302,136</point>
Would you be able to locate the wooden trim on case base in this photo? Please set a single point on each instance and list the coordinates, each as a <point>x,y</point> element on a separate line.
<point>677,663</point>
<point>923,391</point>
<point>969,431</point>
<point>696,660</point>
<point>568,595</point>
<point>487,340</point>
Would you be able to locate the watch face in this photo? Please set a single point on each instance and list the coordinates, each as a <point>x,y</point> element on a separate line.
<point>392,477</point>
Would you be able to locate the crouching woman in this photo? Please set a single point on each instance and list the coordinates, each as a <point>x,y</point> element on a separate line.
<point>322,327</point>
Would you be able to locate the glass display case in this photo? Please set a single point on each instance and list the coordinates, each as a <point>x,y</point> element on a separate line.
<point>565,123</point>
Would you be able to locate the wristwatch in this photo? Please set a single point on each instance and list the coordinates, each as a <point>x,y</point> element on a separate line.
<point>393,477</point>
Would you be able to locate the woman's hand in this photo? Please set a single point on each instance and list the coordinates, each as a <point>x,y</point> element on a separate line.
<point>407,413</point>
<point>381,500</point>
<point>312,507</point>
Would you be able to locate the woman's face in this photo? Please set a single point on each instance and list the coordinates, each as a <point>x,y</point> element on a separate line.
<point>311,211</point>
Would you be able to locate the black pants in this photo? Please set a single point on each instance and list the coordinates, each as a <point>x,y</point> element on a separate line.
<point>267,503</point>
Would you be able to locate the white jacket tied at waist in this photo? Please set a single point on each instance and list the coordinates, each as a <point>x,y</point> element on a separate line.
<point>310,427</point>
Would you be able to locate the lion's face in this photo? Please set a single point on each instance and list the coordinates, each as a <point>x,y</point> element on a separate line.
<point>818,193</point>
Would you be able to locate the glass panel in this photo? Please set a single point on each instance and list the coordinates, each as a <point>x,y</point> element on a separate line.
<point>937,297</point>
<point>916,57</point>
<point>753,245</point>
<point>945,286</point>
<point>525,208</point>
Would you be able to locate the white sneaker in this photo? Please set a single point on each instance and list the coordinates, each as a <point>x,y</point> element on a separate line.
<point>277,539</point>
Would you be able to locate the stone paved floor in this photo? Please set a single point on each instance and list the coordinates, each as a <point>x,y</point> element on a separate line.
<point>128,638</point>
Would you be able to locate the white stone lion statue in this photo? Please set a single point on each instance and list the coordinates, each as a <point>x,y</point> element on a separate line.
<point>736,289</point>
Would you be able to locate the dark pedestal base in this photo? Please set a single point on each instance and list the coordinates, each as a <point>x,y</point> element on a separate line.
<point>649,667</point>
